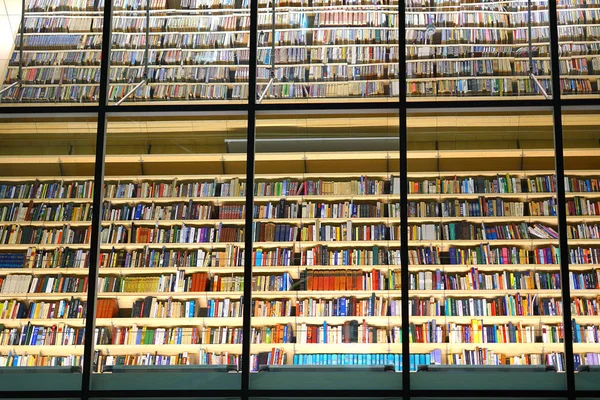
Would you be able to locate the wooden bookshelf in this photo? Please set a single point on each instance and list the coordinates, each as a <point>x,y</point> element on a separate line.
<point>315,168</point>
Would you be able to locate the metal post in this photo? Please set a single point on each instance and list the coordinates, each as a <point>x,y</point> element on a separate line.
<point>531,74</point>
<point>529,37</point>
<point>132,91</point>
<point>272,72</point>
<point>145,73</point>
<point>90,320</point>
<point>403,200</point>
<point>247,309</point>
<point>7,88</point>
<point>561,201</point>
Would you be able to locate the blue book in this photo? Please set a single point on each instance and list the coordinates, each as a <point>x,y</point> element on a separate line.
<point>138,337</point>
<point>389,359</point>
<point>412,362</point>
<point>34,336</point>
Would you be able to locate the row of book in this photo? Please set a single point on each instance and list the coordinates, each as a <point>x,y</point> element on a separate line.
<point>277,356</point>
<point>317,280</point>
<point>196,49</point>
<point>31,335</point>
<point>91,5</point>
<point>482,207</point>
<point>484,254</point>
<point>370,305</point>
<point>335,19</point>
<point>236,73</point>
<point>73,92</point>
<point>361,185</point>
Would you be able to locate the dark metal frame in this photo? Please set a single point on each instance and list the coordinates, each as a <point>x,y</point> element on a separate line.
<point>103,109</point>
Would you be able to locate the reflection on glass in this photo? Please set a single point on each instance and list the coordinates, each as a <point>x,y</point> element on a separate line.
<point>484,272</point>
<point>578,29</point>
<point>327,48</point>
<point>55,54</point>
<point>326,240</point>
<point>45,214</point>
<point>180,50</point>
<point>466,49</point>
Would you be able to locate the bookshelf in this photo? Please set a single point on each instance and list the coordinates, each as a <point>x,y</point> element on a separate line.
<point>325,258</point>
<point>198,50</point>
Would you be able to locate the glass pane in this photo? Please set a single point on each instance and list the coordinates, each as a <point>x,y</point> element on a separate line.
<point>579,30</point>
<point>485,281</point>
<point>165,252</point>
<point>46,190</point>
<point>10,19</point>
<point>326,223</point>
<point>318,49</point>
<point>473,49</point>
<point>60,57</point>
<point>582,172</point>
<point>180,50</point>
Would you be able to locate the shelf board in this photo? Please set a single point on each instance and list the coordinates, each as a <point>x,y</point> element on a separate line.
<point>356,221</point>
<point>126,299</point>
<point>386,198</point>
<point>296,322</point>
<point>298,246</point>
<point>294,270</point>
<point>297,348</point>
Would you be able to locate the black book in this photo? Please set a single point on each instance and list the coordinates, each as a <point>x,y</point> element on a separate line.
<point>353,331</point>
<point>203,312</point>
<point>281,213</point>
<point>26,235</point>
<point>147,306</point>
<point>263,357</point>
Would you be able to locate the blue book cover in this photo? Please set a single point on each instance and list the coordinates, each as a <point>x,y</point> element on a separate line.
<point>34,335</point>
<point>412,362</point>
<point>389,359</point>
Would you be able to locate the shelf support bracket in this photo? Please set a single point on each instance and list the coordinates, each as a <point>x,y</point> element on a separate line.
<point>12,85</point>
<point>146,56</point>
<point>531,74</point>
<point>272,69</point>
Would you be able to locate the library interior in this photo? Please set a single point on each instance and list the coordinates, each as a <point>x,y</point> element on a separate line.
<point>241,199</point>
